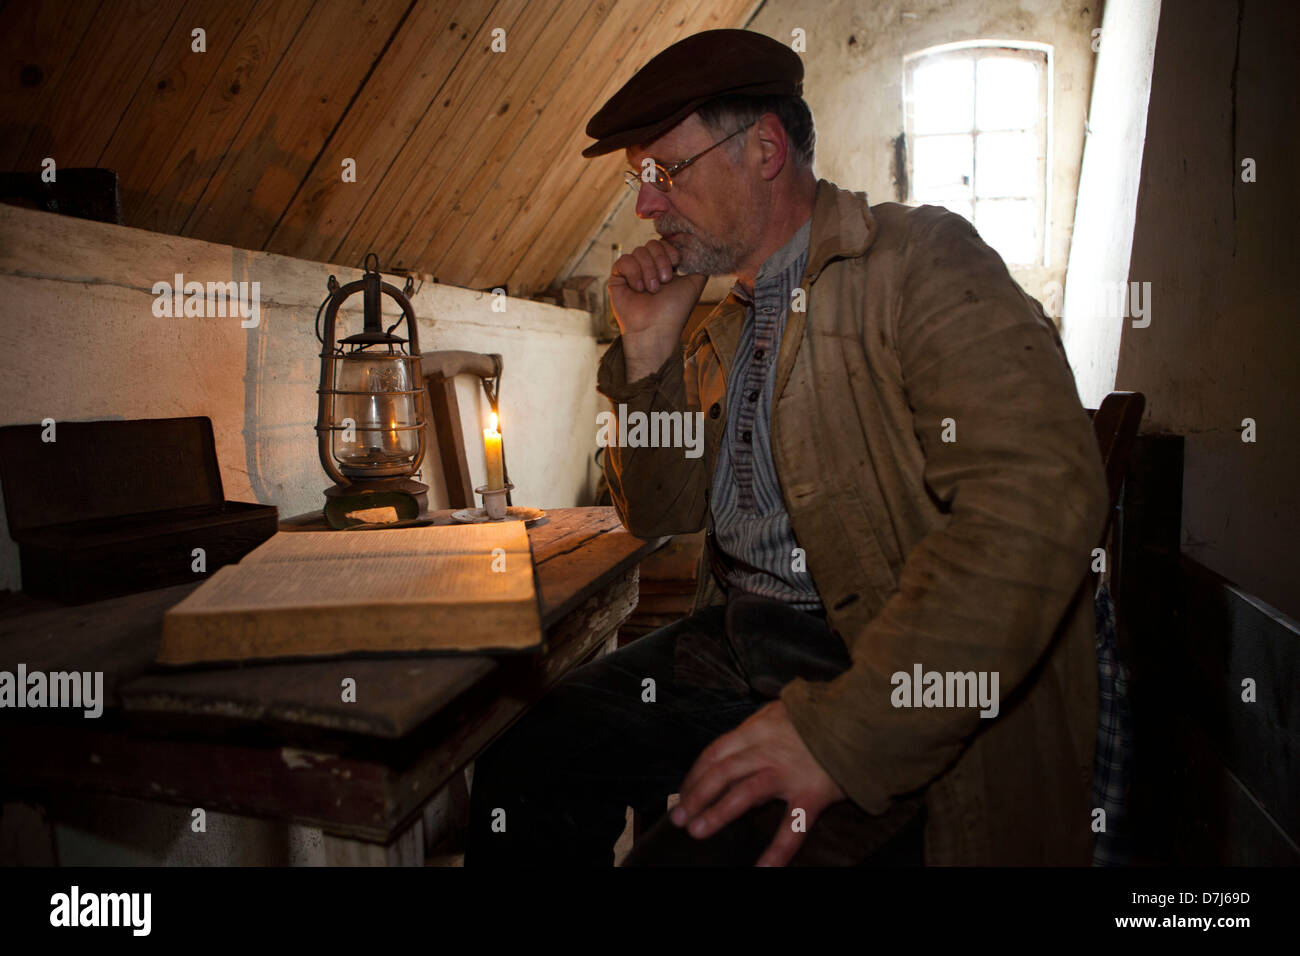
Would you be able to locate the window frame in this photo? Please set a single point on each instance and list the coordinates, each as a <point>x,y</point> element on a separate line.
<point>1038,53</point>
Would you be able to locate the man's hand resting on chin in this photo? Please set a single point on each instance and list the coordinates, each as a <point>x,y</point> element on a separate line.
<point>761,760</point>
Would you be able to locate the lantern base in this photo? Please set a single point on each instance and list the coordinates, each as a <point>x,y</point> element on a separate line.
<point>383,500</point>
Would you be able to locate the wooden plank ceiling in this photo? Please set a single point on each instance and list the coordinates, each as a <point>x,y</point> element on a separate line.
<point>468,162</point>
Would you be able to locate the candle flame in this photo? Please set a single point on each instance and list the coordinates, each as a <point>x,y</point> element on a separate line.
<point>493,426</point>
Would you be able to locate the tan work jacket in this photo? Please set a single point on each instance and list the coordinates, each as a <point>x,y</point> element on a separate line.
<point>945,485</point>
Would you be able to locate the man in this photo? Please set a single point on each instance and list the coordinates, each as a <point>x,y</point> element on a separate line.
<point>900,490</point>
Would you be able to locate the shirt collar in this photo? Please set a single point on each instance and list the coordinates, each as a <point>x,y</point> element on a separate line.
<point>781,260</point>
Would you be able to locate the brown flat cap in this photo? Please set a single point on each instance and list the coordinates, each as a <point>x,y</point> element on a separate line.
<point>685,76</point>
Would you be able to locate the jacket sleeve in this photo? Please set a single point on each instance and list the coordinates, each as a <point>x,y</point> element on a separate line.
<point>656,491</point>
<point>1022,485</point>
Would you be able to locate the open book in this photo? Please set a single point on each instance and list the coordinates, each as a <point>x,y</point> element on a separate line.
<point>443,587</point>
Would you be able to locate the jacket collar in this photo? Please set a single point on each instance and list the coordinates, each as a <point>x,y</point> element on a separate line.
<point>842,227</point>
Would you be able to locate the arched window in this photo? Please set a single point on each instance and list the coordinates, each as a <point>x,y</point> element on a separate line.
<point>977,119</point>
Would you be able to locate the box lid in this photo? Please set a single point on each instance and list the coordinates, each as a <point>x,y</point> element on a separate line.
<point>105,469</point>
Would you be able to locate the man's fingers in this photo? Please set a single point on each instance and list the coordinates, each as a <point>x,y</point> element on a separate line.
<point>785,844</point>
<point>648,267</point>
<point>630,269</point>
<point>729,743</point>
<point>650,271</point>
<point>698,795</point>
<point>674,254</point>
<point>663,263</point>
<point>750,792</point>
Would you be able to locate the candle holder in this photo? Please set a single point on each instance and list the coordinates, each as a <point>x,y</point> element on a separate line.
<point>494,500</point>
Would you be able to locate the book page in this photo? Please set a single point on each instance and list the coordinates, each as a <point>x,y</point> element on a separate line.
<point>393,542</point>
<point>436,565</point>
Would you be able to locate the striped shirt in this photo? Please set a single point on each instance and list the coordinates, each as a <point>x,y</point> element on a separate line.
<point>753,541</point>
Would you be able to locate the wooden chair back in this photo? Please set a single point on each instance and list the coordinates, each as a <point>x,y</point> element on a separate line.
<point>444,417</point>
<point>1115,424</point>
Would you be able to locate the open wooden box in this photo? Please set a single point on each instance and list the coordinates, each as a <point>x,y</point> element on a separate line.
<point>114,507</point>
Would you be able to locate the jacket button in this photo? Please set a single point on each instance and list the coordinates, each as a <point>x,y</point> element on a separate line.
<point>715,410</point>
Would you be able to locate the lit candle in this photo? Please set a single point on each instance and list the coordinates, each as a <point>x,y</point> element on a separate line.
<point>492,445</point>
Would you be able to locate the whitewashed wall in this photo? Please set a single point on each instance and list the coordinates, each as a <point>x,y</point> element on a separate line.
<point>79,341</point>
<point>1108,196</point>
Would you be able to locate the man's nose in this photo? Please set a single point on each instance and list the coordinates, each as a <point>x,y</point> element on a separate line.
<point>650,202</point>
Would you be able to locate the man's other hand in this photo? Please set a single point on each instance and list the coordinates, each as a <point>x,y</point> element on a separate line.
<point>761,760</point>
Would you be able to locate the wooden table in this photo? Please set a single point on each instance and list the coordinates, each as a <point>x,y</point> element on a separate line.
<point>275,740</point>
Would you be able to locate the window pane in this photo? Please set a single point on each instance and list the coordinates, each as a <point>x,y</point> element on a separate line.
<point>1007,164</point>
<point>941,168</point>
<point>942,96</point>
<point>1006,90</point>
<point>1011,227</point>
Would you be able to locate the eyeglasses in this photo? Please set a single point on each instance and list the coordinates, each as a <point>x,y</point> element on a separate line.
<point>663,175</point>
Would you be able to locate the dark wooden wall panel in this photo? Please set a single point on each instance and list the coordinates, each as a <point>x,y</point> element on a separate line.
<point>1213,776</point>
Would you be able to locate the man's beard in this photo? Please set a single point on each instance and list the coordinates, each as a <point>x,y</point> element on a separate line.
<point>701,255</point>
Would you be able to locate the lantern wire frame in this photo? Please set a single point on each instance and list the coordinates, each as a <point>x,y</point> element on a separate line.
<point>332,351</point>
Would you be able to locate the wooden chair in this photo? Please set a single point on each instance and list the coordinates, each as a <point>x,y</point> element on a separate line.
<point>1115,423</point>
<point>446,817</point>
<point>444,418</point>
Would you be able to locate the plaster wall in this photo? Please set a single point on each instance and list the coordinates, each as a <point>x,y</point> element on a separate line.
<point>79,341</point>
<point>1108,187</point>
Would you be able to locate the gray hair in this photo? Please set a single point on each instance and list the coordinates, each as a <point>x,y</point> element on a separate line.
<point>726,114</point>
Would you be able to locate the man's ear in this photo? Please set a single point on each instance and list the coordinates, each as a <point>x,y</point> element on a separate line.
<point>773,145</point>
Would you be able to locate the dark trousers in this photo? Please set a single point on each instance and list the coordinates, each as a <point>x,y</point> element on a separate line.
<point>624,729</point>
